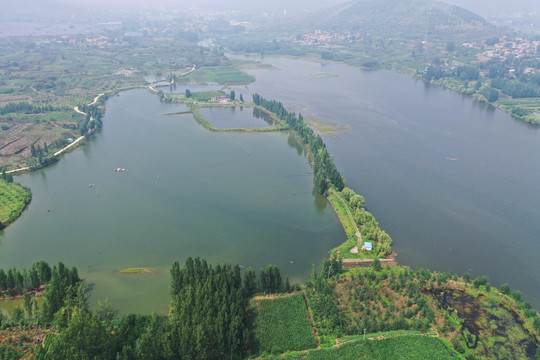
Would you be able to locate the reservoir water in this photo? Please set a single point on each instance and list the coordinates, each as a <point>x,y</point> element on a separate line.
<point>227,197</point>
<point>454,181</point>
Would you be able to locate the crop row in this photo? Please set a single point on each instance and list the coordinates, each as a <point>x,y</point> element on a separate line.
<point>283,324</point>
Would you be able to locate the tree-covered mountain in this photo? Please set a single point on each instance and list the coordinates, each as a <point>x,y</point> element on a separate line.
<point>409,18</point>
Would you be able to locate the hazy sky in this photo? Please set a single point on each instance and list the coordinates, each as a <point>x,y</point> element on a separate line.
<point>35,10</point>
<point>483,7</point>
<point>497,7</point>
<point>209,5</point>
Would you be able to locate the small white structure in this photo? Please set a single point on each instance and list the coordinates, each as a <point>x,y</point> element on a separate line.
<point>367,246</point>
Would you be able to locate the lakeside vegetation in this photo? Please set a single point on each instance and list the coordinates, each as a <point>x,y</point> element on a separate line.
<point>226,75</point>
<point>136,270</point>
<point>221,311</point>
<point>13,200</point>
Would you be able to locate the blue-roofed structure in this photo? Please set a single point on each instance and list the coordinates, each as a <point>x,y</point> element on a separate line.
<point>367,246</point>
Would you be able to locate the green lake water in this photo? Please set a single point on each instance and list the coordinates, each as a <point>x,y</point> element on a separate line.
<point>227,197</point>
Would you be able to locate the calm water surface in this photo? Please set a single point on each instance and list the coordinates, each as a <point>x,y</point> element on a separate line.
<point>236,197</point>
<point>452,180</point>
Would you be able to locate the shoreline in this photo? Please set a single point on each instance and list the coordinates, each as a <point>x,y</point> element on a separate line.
<point>197,116</point>
<point>404,71</point>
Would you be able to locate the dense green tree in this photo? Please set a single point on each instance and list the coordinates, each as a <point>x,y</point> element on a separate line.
<point>207,311</point>
<point>10,280</point>
<point>331,267</point>
<point>347,193</point>
<point>483,280</point>
<point>516,294</point>
<point>232,95</point>
<point>153,344</point>
<point>356,202</point>
<point>505,289</point>
<point>44,271</point>
<point>64,288</point>
<point>28,304</point>
<point>270,280</point>
<point>250,281</point>
<point>490,93</point>
<point>18,314</point>
<point>105,310</point>
<point>34,277</point>
<point>376,265</point>
<point>287,285</point>
<point>85,338</point>
<point>3,280</point>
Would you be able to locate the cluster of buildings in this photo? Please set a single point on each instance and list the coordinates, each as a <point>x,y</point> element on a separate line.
<point>221,99</point>
<point>318,37</point>
<point>516,47</point>
<point>95,41</point>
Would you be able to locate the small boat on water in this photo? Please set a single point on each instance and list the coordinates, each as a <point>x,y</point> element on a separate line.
<point>91,185</point>
<point>119,169</point>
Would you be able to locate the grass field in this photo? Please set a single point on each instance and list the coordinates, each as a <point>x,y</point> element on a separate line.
<point>282,324</point>
<point>13,200</point>
<point>225,75</point>
<point>340,208</point>
<point>409,347</point>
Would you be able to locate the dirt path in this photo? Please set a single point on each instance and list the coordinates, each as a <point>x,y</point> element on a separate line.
<point>274,296</point>
<point>96,99</point>
<point>312,322</point>
<point>351,218</point>
<point>70,145</point>
<point>76,108</point>
<point>153,89</point>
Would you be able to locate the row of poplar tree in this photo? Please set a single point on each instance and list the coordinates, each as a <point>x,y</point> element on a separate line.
<point>324,169</point>
<point>207,318</point>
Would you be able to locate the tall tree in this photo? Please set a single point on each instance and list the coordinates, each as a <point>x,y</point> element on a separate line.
<point>250,281</point>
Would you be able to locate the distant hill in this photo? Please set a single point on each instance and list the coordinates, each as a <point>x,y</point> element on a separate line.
<point>498,7</point>
<point>403,18</point>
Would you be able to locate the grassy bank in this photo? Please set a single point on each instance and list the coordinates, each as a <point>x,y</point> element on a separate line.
<point>194,108</point>
<point>343,212</point>
<point>13,200</point>
<point>226,75</point>
<point>136,270</point>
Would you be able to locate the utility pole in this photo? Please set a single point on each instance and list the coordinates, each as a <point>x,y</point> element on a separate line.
<point>364,334</point>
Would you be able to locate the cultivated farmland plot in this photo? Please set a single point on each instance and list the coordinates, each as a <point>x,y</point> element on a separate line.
<point>282,324</point>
